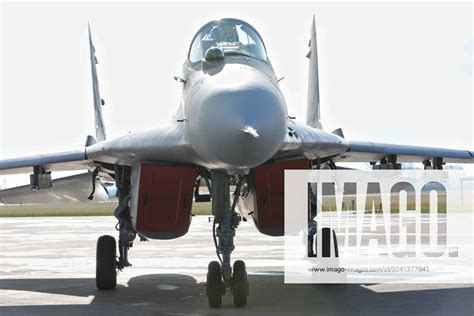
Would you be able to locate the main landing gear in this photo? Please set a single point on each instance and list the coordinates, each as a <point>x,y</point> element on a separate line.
<point>107,265</point>
<point>106,268</point>
<point>220,275</point>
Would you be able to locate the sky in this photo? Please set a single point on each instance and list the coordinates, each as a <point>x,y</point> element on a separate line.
<point>389,72</point>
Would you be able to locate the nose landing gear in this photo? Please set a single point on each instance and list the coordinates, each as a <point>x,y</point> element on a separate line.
<point>220,275</point>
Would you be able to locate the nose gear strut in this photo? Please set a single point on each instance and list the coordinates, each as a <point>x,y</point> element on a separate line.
<point>221,276</point>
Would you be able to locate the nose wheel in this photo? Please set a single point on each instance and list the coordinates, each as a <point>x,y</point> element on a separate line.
<point>240,286</point>
<point>216,288</point>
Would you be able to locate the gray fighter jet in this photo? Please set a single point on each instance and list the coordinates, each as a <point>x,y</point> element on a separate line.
<point>231,133</point>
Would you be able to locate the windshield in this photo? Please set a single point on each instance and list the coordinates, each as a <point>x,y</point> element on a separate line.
<point>232,36</point>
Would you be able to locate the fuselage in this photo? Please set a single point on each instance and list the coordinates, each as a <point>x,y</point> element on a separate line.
<point>234,111</point>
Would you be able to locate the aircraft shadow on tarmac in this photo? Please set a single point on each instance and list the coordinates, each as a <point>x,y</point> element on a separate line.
<point>177,293</point>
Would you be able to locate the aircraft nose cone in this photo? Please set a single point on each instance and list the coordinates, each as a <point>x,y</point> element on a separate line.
<point>242,125</point>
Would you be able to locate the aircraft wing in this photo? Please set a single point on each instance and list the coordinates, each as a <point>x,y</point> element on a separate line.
<point>165,144</point>
<point>304,141</point>
<point>360,151</point>
<point>74,188</point>
<point>68,160</point>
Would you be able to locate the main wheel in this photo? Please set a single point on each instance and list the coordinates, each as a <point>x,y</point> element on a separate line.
<point>106,269</point>
<point>326,235</point>
<point>214,285</point>
<point>240,285</point>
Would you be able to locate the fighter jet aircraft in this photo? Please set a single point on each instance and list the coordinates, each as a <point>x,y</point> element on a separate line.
<point>231,129</point>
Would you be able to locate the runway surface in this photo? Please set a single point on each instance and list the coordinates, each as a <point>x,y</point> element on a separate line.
<point>47,267</point>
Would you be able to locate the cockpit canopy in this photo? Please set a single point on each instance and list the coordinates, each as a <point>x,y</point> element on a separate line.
<point>232,36</point>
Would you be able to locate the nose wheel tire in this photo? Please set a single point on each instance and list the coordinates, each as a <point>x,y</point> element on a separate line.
<point>106,266</point>
<point>240,285</point>
<point>214,285</point>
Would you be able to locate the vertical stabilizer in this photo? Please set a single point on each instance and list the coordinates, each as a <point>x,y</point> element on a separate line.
<point>98,102</point>
<point>313,116</point>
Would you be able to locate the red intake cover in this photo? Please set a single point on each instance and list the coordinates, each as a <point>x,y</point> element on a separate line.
<point>164,200</point>
<point>269,215</point>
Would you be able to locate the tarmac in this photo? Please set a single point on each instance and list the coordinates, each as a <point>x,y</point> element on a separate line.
<point>47,267</point>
